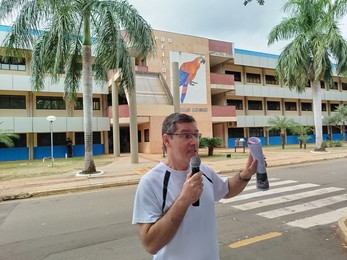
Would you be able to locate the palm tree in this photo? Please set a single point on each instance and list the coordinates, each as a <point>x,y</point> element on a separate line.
<point>339,119</point>
<point>313,26</point>
<point>282,124</point>
<point>65,33</point>
<point>210,143</point>
<point>303,133</point>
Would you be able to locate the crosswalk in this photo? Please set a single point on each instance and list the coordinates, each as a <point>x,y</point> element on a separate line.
<point>287,198</point>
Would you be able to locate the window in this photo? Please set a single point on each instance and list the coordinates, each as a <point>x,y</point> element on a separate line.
<point>237,75</point>
<point>275,132</point>
<point>139,139</point>
<point>44,139</point>
<point>335,130</point>
<point>256,131</point>
<point>344,86</point>
<point>270,79</point>
<point>235,132</point>
<point>237,103</point>
<point>146,132</point>
<point>333,107</point>
<point>79,138</point>
<point>20,142</point>
<point>255,105</point>
<point>11,63</point>
<point>334,86</point>
<point>306,106</point>
<point>12,102</point>
<point>57,103</point>
<point>273,105</point>
<point>322,84</point>
<point>324,107</point>
<point>253,78</point>
<point>290,106</point>
<point>79,104</point>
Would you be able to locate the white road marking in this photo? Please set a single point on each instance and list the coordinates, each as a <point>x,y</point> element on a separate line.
<point>269,192</point>
<point>321,219</point>
<point>303,207</point>
<point>286,198</point>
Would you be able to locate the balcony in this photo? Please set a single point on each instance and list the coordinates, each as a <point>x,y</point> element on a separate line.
<point>221,83</point>
<point>220,52</point>
<point>222,114</point>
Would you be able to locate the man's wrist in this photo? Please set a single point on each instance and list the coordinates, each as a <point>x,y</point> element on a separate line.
<point>241,179</point>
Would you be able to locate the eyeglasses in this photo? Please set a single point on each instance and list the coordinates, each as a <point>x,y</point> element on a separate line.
<point>188,136</point>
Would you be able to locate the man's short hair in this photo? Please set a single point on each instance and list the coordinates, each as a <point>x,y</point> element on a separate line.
<point>169,124</point>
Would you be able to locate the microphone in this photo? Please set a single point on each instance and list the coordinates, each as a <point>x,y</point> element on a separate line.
<point>195,164</point>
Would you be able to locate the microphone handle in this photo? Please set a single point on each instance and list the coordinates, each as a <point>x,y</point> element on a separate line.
<point>195,170</point>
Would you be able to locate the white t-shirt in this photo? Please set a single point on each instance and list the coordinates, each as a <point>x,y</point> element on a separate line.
<point>196,238</point>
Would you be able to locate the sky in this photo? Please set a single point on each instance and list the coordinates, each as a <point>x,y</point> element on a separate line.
<point>225,20</point>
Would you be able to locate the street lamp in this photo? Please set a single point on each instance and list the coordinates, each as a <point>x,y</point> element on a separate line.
<point>51,119</point>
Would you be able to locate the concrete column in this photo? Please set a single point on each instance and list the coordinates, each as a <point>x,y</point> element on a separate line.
<point>175,88</point>
<point>134,149</point>
<point>115,119</point>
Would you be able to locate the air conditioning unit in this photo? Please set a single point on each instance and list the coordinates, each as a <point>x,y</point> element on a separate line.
<point>231,124</point>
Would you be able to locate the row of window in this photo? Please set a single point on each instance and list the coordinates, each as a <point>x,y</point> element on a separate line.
<point>44,139</point>
<point>272,80</point>
<point>275,105</point>
<point>42,102</point>
<point>10,63</point>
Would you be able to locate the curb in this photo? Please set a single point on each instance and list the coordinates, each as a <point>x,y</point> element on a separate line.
<point>68,190</point>
<point>342,229</point>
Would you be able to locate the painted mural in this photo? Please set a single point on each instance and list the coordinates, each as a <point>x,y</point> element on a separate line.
<point>191,77</point>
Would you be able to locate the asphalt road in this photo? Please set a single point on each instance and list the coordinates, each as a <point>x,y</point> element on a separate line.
<point>290,221</point>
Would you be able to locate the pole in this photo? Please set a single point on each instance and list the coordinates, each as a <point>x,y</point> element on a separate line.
<point>52,158</point>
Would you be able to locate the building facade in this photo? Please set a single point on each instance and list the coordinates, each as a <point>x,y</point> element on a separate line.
<point>231,93</point>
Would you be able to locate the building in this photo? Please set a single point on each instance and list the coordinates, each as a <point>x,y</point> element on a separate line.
<point>231,92</point>
<point>25,111</point>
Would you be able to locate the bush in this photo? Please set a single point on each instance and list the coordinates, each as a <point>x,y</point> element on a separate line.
<point>336,143</point>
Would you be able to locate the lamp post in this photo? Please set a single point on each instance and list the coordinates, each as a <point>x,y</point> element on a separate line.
<point>51,119</point>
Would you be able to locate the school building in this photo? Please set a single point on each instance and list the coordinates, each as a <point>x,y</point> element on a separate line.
<point>231,92</point>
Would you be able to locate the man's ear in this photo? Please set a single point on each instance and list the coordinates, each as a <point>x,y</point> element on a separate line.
<point>166,139</point>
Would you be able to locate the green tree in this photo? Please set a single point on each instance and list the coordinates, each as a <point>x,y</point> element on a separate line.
<point>210,143</point>
<point>65,33</point>
<point>302,132</point>
<point>316,38</point>
<point>282,124</point>
<point>339,119</point>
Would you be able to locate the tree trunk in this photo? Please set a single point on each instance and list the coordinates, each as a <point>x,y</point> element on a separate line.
<point>317,114</point>
<point>210,151</point>
<point>89,166</point>
<point>134,150</point>
<point>300,142</point>
<point>283,139</point>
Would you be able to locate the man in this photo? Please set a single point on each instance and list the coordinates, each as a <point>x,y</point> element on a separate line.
<point>169,226</point>
<point>69,147</point>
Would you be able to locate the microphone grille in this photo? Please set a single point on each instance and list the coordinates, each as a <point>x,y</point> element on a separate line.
<point>195,161</point>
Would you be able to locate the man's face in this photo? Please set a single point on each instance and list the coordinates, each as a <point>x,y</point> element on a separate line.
<point>183,143</point>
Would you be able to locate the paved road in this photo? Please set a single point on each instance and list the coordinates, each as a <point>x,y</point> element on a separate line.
<point>295,219</point>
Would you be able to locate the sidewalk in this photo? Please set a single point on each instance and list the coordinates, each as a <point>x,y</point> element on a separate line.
<point>123,172</point>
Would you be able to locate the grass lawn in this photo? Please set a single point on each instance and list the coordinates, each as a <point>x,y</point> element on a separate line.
<point>36,168</point>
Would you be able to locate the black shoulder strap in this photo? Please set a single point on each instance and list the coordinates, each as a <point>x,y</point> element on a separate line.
<point>207,178</point>
<point>165,183</point>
